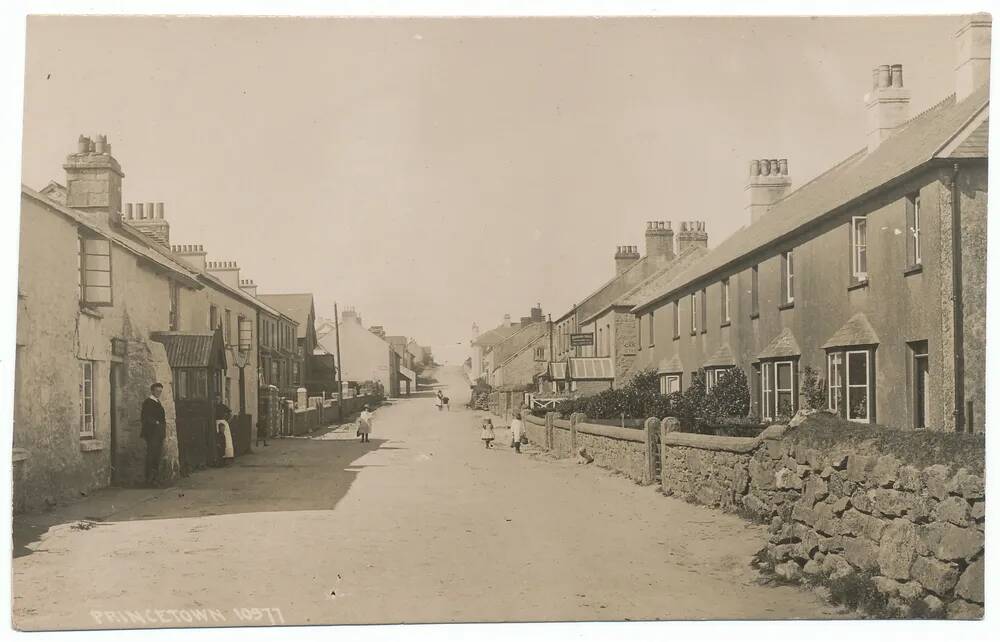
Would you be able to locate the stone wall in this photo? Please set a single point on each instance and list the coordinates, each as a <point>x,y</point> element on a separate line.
<point>919,532</point>
<point>623,450</point>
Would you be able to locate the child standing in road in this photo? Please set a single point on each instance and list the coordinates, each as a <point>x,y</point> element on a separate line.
<point>488,435</point>
<point>365,424</point>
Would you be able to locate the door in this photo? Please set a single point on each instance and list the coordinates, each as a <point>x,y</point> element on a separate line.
<point>921,389</point>
<point>115,378</point>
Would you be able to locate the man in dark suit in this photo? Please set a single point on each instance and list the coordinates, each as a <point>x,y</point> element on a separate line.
<point>154,431</point>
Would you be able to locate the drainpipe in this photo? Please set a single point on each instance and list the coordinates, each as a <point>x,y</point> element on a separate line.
<point>957,308</point>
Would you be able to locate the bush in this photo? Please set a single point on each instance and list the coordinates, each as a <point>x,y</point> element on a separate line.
<point>730,397</point>
<point>813,389</point>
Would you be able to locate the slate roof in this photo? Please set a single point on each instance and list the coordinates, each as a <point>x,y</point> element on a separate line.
<point>611,290</point>
<point>295,306</point>
<point>783,345</point>
<point>723,356</point>
<point>662,277</point>
<point>856,332</point>
<point>496,335</point>
<point>976,144</point>
<point>670,366</point>
<point>517,341</point>
<point>525,346</point>
<point>916,143</point>
<point>192,349</point>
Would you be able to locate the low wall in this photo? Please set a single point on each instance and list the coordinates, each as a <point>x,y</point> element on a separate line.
<point>918,531</point>
<point>328,412</point>
<point>620,449</point>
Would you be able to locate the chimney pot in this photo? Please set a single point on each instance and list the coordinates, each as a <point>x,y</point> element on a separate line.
<point>783,166</point>
<point>896,74</point>
<point>128,210</point>
<point>138,210</point>
<point>883,76</point>
<point>82,144</point>
<point>99,144</point>
<point>159,210</point>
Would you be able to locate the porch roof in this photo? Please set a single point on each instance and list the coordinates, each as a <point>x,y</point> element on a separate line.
<point>193,349</point>
<point>783,345</point>
<point>591,368</point>
<point>856,332</point>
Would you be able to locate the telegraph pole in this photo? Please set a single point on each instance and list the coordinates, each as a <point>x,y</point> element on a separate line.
<point>340,366</point>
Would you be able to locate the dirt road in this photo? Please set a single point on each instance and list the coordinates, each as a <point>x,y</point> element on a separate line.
<point>422,524</point>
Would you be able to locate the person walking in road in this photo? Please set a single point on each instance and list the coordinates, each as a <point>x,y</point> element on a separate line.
<point>225,453</point>
<point>153,431</point>
<point>444,401</point>
<point>262,430</point>
<point>487,434</point>
<point>516,431</point>
<point>439,400</point>
<point>365,424</point>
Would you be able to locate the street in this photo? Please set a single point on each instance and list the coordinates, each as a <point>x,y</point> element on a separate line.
<point>422,524</point>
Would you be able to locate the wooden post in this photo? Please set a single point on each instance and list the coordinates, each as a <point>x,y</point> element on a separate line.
<point>339,365</point>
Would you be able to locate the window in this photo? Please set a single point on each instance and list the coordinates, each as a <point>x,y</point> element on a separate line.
<point>190,383</point>
<point>859,248</point>
<point>725,301</point>
<point>704,310</point>
<point>175,300</point>
<point>677,319</point>
<point>652,336</point>
<point>754,296</point>
<point>295,372</point>
<point>94,276</point>
<point>778,389</point>
<point>227,329</point>
<point>87,413</point>
<point>540,354</point>
<point>913,253</point>
<point>851,384</point>
<point>712,377</point>
<point>694,313</point>
<point>639,324</point>
<point>600,342</point>
<point>787,278</point>
<point>213,318</point>
<point>670,383</point>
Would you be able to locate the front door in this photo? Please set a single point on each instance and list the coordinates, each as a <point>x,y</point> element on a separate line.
<point>921,389</point>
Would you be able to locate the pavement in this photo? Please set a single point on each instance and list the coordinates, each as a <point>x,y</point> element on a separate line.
<point>421,524</point>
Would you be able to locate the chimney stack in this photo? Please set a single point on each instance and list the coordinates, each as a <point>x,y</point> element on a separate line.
<point>226,271</point>
<point>888,104</point>
<point>94,179</point>
<point>148,220</point>
<point>193,254</point>
<point>660,241</point>
<point>625,256</point>
<point>692,234</point>
<point>506,320</point>
<point>972,45</point>
<point>768,183</point>
<point>248,286</point>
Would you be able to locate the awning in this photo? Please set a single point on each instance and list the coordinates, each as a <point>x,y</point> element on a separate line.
<point>193,349</point>
<point>723,357</point>
<point>591,368</point>
<point>856,332</point>
<point>671,366</point>
<point>783,345</point>
<point>407,374</point>
<point>557,370</point>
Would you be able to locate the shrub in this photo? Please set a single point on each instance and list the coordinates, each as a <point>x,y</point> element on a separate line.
<point>730,397</point>
<point>813,389</point>
<point>694,396</point>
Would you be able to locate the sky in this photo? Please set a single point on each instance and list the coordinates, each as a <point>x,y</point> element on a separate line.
<point>432,173</point>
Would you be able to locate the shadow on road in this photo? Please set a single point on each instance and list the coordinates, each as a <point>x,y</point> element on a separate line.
<point>288,475</point>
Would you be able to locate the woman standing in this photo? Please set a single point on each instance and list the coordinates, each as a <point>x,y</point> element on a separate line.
<point>365,424</point>
<point>516,431</point>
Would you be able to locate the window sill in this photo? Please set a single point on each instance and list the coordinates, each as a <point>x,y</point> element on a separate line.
<point>913,269</point>
<point>694,333</point>
<point>725,324</point>
<point>19,454</point>
<point>90,312</point>
<point>860,285</point>
<point>755,316</point>
<point>787,306</point>
<point>89,445</point>
<point>677,337</point>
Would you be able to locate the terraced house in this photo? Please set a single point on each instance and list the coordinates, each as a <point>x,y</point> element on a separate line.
<point>873,274</point>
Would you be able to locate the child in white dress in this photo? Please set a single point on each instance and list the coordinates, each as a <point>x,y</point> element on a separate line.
<point>488,435</point>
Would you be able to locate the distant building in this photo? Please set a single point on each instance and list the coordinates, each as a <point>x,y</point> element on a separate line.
<point>300,307</point>
<point>364,356</point>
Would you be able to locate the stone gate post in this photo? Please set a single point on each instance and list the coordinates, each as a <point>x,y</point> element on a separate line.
<point>652,427</point>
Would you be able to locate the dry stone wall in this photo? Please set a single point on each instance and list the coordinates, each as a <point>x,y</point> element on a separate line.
<point>919,532</point>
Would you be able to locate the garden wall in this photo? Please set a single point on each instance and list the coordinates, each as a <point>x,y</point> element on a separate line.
<point>620,449</point>
<point>841,507</point>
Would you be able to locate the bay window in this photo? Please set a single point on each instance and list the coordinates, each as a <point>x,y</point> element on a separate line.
<point>670,383</point>
<point>779,389</point>
<point>851,384</point>
<point>713,375</point>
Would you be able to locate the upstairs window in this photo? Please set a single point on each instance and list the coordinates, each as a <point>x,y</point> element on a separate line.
<point>540,354</point>
<point>227,329</point>
<point>913,250</point>
<point>694,313</point>
<point>677,319</point>
<point>175,306</point>
<point>754,293</point>
<point>859,248</point>
<point>94,277</point>
<point>704,310</point>
<point>213,318</point>
<point>787,278</point>
<point>652,337</point>
<point>725,301</point>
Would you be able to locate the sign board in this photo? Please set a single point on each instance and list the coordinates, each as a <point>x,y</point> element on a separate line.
<point>581,339</point>
<point>629,348</point>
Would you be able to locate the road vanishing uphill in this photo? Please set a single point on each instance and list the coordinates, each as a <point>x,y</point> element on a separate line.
<point>421,524</point>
